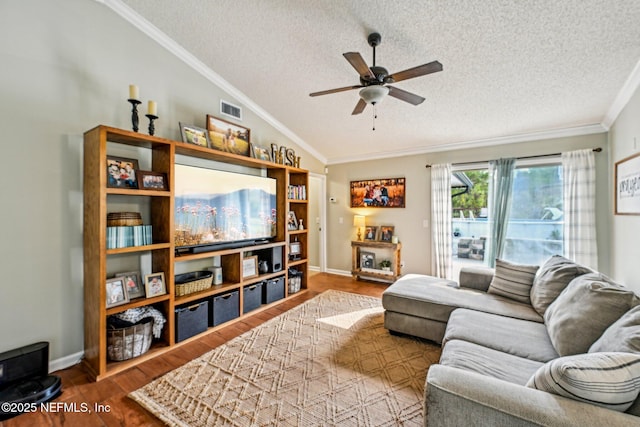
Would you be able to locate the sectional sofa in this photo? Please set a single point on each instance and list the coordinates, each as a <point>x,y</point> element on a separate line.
<point>557,345</point>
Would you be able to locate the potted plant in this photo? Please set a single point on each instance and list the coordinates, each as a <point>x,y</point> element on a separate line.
<point>385,264</point>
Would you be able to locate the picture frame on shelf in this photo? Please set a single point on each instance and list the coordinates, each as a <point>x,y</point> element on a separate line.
<point>295,251</point>
<point>228,137</point>
<point>155,284</point>
<point>378,193</point>
<point>386,233</point>
<point>121,172</point>
<point>149,180</point>
<point>292,221</point>
<point>194,135</point>
<point>116,292</point>
<point>627,182</point>
<point>249,267</point>
<point>135,288</point>
<point>261,153</point>
<point>370,233</point>
<point>367,260</point>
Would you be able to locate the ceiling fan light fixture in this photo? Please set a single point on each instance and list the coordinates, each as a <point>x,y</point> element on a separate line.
<point>374,93</point>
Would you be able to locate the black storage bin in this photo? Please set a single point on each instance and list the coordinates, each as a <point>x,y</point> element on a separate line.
<point>225,307</point>
<point>273,290</point>
<point>191,320</point>
<point>252,297</point>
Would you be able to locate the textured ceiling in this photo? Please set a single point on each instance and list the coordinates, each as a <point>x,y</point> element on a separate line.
<point>511,68</point>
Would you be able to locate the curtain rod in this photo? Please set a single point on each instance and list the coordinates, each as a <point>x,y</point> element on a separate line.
<point>595,150</point>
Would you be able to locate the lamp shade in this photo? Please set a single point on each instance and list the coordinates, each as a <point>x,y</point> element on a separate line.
<point>374,93</point>
<point>358,221</point>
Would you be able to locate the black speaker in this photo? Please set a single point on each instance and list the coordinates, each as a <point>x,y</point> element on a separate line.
<point>273,256</point>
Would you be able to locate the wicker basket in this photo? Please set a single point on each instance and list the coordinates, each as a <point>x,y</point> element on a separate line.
<point>196,281</point>
<point>119,219</point>
<point>127,343</point>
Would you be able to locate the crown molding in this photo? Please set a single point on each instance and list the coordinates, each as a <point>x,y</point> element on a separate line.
<point>181,53</point>
<point>465,145</point>
<point>626,92</point>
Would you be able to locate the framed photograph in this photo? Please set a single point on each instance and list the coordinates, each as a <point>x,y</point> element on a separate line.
<point>155,285</point>
<point>148,180</point>
<point>228,137</point>
<point>133,285</point>
<point>292,221</point>
<point>378,193</point>
<point>259,152</point>
<point>628,186</point>
<point>295,250</point>
<point>367,259</point>
<point>386,233</point>
<point>371,233</point>
<point>121,172</point>
<point>250,267</point>
<point>194,135</point>
<point>116,292</point>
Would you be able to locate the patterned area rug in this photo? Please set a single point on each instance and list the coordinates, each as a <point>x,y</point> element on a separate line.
<point>328,361</point>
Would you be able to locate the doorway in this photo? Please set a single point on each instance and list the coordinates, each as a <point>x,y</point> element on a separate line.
<point>317,217</point>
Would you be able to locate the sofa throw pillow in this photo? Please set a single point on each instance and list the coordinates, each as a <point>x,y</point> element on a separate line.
<point>623,335</point>
<point>604,379</point>
<point>584,310</point>
<point>513,281</point>
<point>554,275</point>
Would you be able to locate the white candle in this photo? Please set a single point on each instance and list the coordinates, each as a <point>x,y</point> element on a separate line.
<point>152,108</point>
<point>134,93</point>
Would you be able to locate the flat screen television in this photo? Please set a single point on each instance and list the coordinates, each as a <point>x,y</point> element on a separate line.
<point>217,208</point>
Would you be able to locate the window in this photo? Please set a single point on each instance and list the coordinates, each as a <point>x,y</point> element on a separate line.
<point>535,225</point>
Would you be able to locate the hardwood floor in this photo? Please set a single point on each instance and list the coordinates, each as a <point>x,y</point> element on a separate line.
<point>105,403</point>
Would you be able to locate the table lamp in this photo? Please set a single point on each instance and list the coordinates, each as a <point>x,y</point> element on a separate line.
<point>358,221</point>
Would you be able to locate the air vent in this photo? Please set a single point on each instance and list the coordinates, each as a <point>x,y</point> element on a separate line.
<point>230,110</point>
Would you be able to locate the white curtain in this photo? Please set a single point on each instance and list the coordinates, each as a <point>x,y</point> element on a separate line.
<point>579,182</point>
<point>441,219</point>
<point>501,172</point>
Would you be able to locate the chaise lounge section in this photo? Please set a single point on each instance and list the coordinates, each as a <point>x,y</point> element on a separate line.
<point>516,340</point>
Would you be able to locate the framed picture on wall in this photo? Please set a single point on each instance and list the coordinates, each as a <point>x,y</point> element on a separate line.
<point>627,189</point>
<point>378,193</point>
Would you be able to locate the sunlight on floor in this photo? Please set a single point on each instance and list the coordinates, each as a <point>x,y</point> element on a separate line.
<point>347,320</point>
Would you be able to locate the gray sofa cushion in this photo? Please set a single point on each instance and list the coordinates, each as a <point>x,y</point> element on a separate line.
<point>554,275</point>
<point>428,297</point>
<point>487,361</point>
<point>623,335</point>
<point>513,281</point>
<point>519,337</point>
<point>609,380</point>
<point>584,310</point>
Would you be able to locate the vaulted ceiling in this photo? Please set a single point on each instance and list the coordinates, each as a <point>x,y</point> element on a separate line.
<point>513,70</point>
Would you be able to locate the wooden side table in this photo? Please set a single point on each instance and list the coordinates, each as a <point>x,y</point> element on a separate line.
<point>364,264</point>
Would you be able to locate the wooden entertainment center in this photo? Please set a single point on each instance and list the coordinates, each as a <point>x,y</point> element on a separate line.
<point>157,208</point>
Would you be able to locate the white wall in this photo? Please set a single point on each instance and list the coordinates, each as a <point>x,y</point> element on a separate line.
<point>66,67</point>
<point>408,222</point>
<point>624,138</point>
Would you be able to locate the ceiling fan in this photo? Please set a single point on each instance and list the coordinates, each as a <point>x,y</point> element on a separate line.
<point>374,80</point>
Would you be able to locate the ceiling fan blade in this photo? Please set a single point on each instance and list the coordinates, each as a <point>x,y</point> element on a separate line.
<point>342,89</point>
<point>420,70</point>
<point>356,61</point>
<point>403,95</point>
<point>359,107</point>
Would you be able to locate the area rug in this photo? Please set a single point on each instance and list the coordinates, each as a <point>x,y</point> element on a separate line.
<point>328,361</point>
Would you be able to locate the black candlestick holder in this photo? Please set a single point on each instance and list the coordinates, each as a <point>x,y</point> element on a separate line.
<point>134,113</point>
<point>152,128</point>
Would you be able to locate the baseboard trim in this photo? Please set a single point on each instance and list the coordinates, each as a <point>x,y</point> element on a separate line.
<point>65,362</point>
<point>339,272</point>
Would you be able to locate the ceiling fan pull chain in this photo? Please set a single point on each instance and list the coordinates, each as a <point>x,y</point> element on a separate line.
<point>375,116</point>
